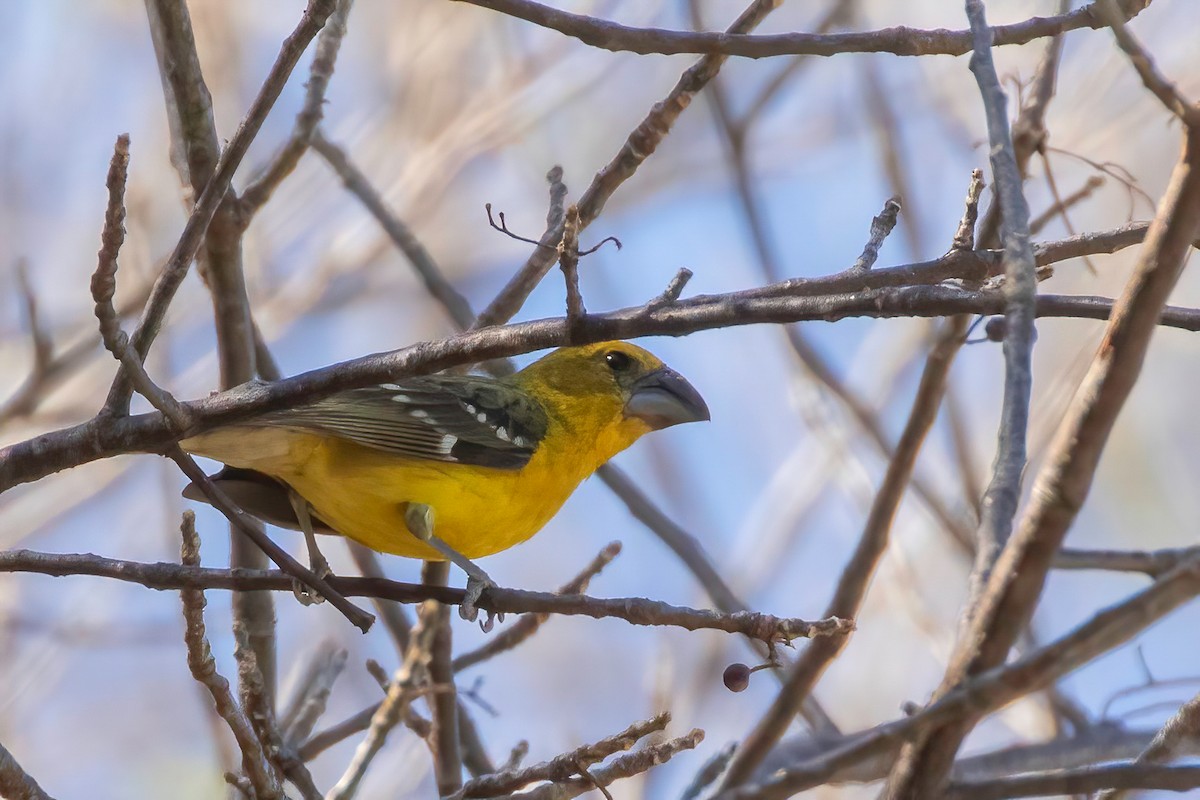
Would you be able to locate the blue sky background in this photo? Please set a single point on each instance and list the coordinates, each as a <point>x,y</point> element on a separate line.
<point>447,107</point>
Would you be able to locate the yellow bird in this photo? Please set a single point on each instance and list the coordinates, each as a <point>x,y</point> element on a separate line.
<point>445,466</point>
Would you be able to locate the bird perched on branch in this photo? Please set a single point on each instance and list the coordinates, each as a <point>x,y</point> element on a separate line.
<point>447,467</point>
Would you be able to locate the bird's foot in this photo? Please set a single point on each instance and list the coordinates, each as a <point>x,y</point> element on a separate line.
<point>307,595</point>
<point>477,582</point>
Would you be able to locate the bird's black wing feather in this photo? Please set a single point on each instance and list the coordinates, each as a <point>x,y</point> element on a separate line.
<point>457,419</point>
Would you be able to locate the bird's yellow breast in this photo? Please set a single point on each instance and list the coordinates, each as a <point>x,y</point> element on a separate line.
<point>363,493</point>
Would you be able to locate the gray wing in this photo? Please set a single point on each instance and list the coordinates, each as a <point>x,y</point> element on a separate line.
<point>457,419</point>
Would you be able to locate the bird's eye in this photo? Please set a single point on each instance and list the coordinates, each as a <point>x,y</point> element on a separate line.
<point>617,361</point>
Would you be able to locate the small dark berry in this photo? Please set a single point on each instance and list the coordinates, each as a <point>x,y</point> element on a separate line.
<point>736,677</point>
<point>996,329</point>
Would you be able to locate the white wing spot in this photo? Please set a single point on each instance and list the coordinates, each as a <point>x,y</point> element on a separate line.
<point>470,408</point>
<point>391,387</point>
<point>401,398</point>
<point>447,443</point>
<point>482,417</point>
<point>419,413</point>
<point>503,434</point>
<point>520,441</point>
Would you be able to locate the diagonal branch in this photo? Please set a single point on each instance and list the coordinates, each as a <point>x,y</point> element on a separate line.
<point>1182,729</point>
<point>259,191</point>
<point>16,782</point>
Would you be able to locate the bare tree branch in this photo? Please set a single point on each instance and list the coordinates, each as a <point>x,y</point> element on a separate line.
<point>204,669</point>
<point>637,611</point>
<point>640,145</point>
<point>1152,79</point>
<point>899,41</point>
<point>1016,583</point>
<point>1078,781</point>
<point>1181,730</point>
<point>994,688</point>
<point>565,766</point>
<point>16,783</point>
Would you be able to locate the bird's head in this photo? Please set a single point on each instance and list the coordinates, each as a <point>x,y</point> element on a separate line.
<point>616,386</point>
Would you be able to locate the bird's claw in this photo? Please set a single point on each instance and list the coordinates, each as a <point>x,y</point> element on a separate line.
<point>476,585</point>
<point>307,595</point>
<point>489,621</point>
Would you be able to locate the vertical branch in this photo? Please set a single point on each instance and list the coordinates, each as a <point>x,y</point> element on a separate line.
<point>443,705</point>
<point>196,146</point>
<point>568,259</point>
<point>999,505</point>
<point>200,660</point>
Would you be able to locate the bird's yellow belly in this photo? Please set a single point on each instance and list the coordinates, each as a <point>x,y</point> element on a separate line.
<point>477,510</point>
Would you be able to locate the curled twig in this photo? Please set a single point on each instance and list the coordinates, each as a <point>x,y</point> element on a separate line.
<point>881,226</point>
<point>964,237</point>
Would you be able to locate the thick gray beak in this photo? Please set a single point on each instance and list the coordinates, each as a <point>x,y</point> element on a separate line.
<point>664,398</point>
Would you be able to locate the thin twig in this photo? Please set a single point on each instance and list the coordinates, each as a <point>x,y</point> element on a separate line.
<point>1152,79</point>
<point>204,669</point>
<point>412,674</point>
<point>256,702</point>
<point>623,766</point>
<point>639,145</point>
<point>565,766</point>
<point>311,696</point>
<point>329,42</point>
<point>999,505</point>
<point>673,291</point>
<point>104,286</point>
<point>1060,207</point>
<point>964,237</point>
<point>1149,562</point>
<point>443,706</point>
<point>192,237</point>
<point>401,235</point>
<point>247,526</point>
<point>1182,729</point>
<point>1079,781</point>
<point>994,688</point>
<point>881,226</point>
<point>361,721</point>
<point>568,260</point>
